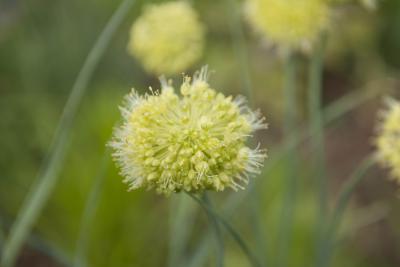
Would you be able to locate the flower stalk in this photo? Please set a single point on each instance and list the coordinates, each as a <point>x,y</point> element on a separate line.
<point>317,132</point>
<point>290,98</point>
<point>235,235</point>
<point>328,245</point>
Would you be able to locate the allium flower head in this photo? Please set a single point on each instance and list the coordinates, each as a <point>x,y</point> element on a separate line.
<point>192,142</point>
<point>388,139</point>
<point>167,38</point>
<point>288,23</point>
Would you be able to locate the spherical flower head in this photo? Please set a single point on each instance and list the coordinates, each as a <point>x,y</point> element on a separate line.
<point>388,138</point>
<point>288,23</point>
<point>167,38</point>
<point>193,142</point>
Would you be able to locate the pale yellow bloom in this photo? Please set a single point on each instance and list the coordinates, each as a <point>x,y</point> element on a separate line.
<point>369,4</point>
<point>288,23</point>
<point>167,38</point>
<point>192,142</point>
<point>388,139</point>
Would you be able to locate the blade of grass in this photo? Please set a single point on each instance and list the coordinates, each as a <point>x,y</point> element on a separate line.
<point>49,173</point>
<point>317,133</point>
<point>89,212</point>
<point>285,222</point>
<point>327,246</point>
<point>235,235</point>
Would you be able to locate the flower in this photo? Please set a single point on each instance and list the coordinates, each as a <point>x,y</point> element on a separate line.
<point>167,38</point>
<point>192,142</point>
<point>369,4</point>
<point>388,139</point>
<point>288,23</point>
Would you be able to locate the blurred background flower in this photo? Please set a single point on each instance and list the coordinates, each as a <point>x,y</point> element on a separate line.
<point>167,38</point>
<point>290,24</point>
<point>388,139</point>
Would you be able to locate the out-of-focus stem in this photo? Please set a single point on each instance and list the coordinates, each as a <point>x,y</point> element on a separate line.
<point>240,49</point>
<point>286,220</point>
<point>317,133</point>
<point>218,234</point>
<point>89,213</point>
<point>235,235</point>
<point>2,236</point>
<point>328,244</point>
<point>239,46</point>
<point>181,220</point>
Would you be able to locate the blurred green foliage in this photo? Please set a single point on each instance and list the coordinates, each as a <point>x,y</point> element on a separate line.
<point>42,47</point>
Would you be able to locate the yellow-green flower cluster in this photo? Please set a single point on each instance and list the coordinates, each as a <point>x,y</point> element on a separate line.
<point>388,139</point>
<point>192,142</point>
<point>288,23</point>
<point>167,38</point>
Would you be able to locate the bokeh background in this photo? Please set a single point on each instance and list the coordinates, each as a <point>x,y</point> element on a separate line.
<point>43,45</point>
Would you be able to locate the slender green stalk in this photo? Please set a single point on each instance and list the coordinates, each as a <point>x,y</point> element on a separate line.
<point>240,49</point>
<point>89,212</point>
<point>235,235</point>
<point>239,46</point>
<point>284,231</point>
<point>2,235</point>
<point>327,247</point>
<point>331,113</point>
<point>182,216</point>
<point>218,234</point>
<point>47,178</point>
<point>317,133</point>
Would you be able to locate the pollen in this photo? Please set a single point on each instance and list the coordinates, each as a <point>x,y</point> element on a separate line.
<point>388,138</point>
<point>288,23</point>
<point>193,141</point>
<point>167,38</point>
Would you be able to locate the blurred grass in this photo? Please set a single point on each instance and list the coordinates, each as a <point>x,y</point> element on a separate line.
<point>89,212</point>
<point>49,172</point>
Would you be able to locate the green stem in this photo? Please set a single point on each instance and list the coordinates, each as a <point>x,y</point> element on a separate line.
<point>47,178</point>
<point>240,49</point>
<point>235,235</point>
<point>218,234</point>
<point>284,232</point>
<point>239,46</point>
<point>348,188</point>
<point>317,133</point>
<point>89,213</point>
<point>2,235</point>
<point>181,219</point>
